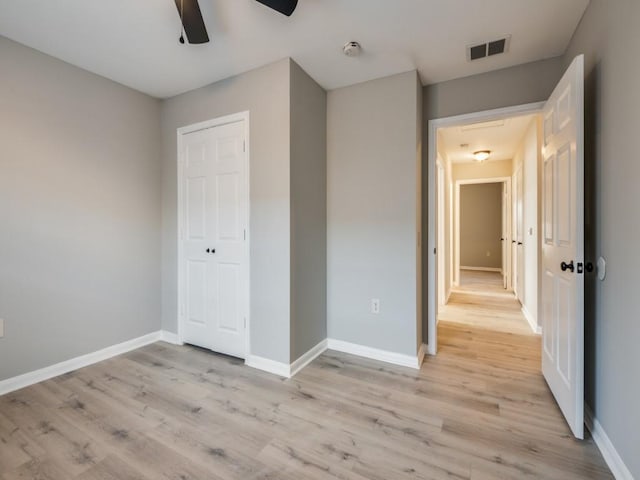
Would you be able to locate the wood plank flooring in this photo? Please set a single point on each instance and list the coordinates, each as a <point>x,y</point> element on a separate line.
<point>479,410</point>
<point>481,282</point>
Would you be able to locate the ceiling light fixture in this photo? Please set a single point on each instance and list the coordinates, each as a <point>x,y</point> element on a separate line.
<point>481,155</point>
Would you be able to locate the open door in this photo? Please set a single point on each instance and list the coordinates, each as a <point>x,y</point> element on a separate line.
<point>563,245</point>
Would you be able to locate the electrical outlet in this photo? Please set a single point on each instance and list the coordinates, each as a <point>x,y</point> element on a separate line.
<point>1,328</point>
<point>375,305</point>
<point>488,253</point>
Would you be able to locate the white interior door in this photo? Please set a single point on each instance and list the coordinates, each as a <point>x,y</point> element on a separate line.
<point>520,233</point>
<point>516,232</point>
<point>504,236</point>
<point>562,245</point>
<point>440,249</point>
<point>214,255</point>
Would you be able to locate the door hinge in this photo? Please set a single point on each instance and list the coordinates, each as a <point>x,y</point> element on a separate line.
<point>244,145</point>
<point>244,233</point>
<point>435,251</point>
<point>245,323</point>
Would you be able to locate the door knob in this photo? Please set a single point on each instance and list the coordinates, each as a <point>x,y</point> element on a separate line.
<point>567,266</point>
<point>211,250</point>
<point>519,243</point>
<point>208,250</point>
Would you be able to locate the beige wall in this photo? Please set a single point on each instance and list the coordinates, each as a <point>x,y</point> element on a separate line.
<point>475,170</point>
<point>79,211</point>
<point>373,200</point>
<point>481,225</point>
<point>528,159</point>
<point>609,37</point>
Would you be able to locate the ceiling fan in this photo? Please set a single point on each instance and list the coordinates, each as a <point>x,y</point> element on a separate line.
<point>193,24</point>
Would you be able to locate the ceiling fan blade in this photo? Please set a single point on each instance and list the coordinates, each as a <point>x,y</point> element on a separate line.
<point>286,7</point>
<point>192,21</point>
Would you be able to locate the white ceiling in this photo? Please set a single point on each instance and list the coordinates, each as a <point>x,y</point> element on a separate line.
<point>134,42</point>
<point>502,138</point>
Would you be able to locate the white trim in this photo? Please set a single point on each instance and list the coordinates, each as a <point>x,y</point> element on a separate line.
<point>308,357</point>
<point>609,452</point>
<point>31,378</point>
<point>170,337</point>
<point>434,125</point>
<point>531,320</point>
<point>283,369</point>
<point>277,368</point>
<point>216,122</point>
<point>481,269</point>
<point>374,353</point>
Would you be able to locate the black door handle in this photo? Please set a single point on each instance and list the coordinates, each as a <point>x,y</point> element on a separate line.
<point>211,250</point>
<point>208,250</point>
<point>567,266</point>
<point>519,243</point>
<point>513,241</point>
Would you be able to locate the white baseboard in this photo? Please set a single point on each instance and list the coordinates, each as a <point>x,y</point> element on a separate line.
<point>609,452</point>
<point>307,358</point>
<point>170,337</point>
<point>31,378</point>
<point>277,368</point>
<point>482,269</point>
<point>286,370</point>
<point>374,353</point>
<point>531,320</point>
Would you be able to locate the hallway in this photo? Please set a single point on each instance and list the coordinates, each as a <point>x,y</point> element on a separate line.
<point>481,301</point>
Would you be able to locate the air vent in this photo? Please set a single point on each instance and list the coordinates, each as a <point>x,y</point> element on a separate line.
<point>488,49</point>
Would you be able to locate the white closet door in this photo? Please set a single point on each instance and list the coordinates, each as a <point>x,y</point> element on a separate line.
<point>215,260</point>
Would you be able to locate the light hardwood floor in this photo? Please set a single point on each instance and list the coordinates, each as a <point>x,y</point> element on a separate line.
<point>479,410</point>
<point>480,282</point>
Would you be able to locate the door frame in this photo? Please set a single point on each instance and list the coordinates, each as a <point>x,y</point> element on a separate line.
<point>212,123</point>
<point>432,149</point>
<point>442,178</point>
<point>476,181</point>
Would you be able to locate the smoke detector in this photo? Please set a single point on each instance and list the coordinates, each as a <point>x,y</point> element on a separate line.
<point>352,49</point>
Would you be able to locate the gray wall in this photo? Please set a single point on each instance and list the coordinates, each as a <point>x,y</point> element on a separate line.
<point>79,211</point>
<point>372,213</point>
<point>528,83</point>
<point>308,212</point>
<point>481,225</point>
<point>607,35</point>
<point>265,93</point>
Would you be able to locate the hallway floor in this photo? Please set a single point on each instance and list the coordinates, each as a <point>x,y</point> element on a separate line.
<point>481,301</point>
